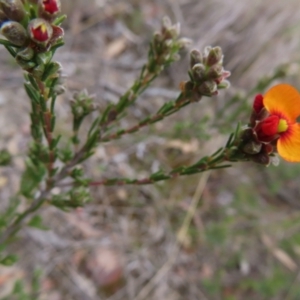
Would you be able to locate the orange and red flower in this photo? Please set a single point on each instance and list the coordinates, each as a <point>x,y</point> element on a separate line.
<point>282,103</point>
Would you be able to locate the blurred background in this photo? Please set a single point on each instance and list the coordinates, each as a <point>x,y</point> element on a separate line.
<point>230,234</point>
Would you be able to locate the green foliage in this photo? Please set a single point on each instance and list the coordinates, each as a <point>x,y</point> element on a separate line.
<point>32,177</point>
<point>19,292</point>
<point>37,222</point>
<point>5,157</point>
<point>8,260</point>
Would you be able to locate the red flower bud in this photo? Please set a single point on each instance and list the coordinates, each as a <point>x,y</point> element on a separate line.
<point>49,8</point>
<point>258,104</point>
<point>40,31</point>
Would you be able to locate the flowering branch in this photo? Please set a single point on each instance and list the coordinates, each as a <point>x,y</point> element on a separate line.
<point>33,34</point>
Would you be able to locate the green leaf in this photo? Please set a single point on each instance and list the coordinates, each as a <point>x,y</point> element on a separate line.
<point>59,20</point>
<point>6,43</point>
<point>5,157</point>
<point>9,260</point>
<point>32,81</point>
<point>160,175</point>
<point>123,102</point>
<point>32,93</point>
<point>10,212</point>
<point>31,178</point>
<point>37,222</point>
<point>50,70</point>
<point>165,108</point>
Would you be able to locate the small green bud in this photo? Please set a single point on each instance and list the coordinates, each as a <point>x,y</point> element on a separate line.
<point>14,32</point>
<point>208,88</point>
<point>214,56</point>
<point>195,57</point>
<point>13,9</point>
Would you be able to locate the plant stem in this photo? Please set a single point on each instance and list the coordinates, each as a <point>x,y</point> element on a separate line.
<point>149,120</point>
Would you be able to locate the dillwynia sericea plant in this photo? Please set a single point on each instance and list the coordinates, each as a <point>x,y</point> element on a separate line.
<point>32,33</point>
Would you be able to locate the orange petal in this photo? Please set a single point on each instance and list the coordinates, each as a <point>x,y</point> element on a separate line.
<point>288,145</point>
<point>283,99</point>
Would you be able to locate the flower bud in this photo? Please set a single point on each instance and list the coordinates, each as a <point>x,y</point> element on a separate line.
<point>58,33</point>
<point>225,84</point>
<point>174,31</point>
<point>261,158</point>
<point>166,23</point>
<point>14,32</point>
<point>198,72</point>
<point>195,57</point>
<point>208,88</point>
<point>157,40</point>
<point>215,72</point>
<point>59,89</point>
<point>13,9</point>
<point>186,86</point>
<point>214,56</point>
<point>40,31</point>
<point>49,9</point>
<point>184,42</point>
<point>252,147</point>
<point>258,104</point>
